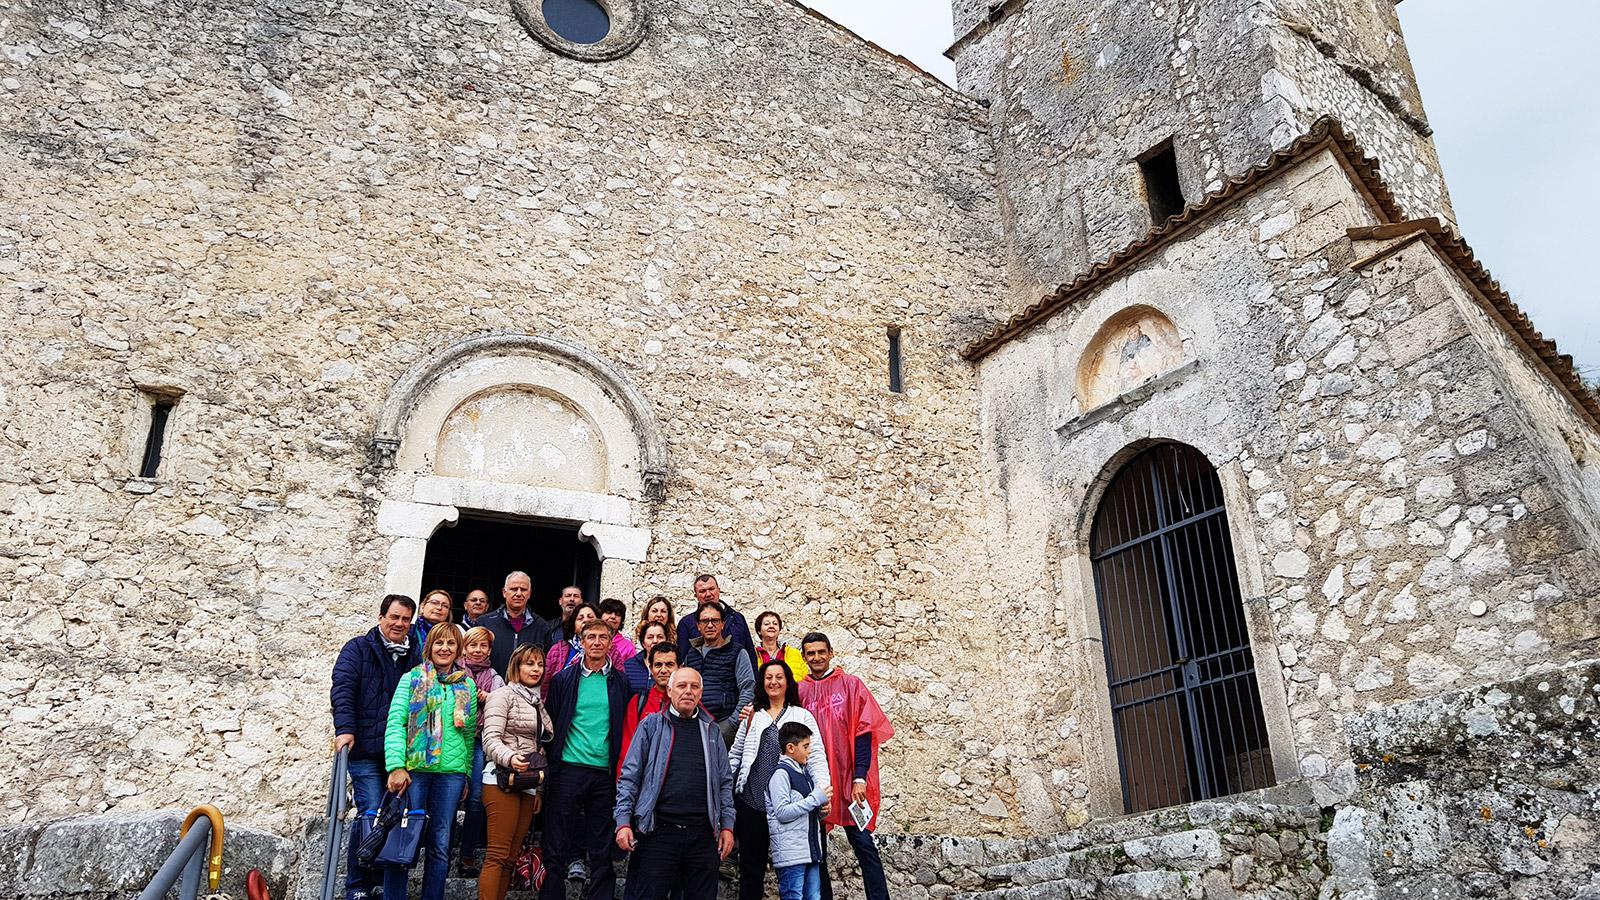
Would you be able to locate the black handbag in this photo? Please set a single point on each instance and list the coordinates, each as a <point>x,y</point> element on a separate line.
<point>511,781</point>
<point>372,828</point>
<point>404,842</point>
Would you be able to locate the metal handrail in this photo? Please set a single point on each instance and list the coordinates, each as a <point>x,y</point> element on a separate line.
<point>201,828</point>
<point>336,805</point>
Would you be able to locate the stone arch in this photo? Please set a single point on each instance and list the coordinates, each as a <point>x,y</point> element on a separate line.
<point>1180,664</point>
<point>519,356</point>
<point>1221,452</point>
<point>1136,344</point>
<point>539,395</point>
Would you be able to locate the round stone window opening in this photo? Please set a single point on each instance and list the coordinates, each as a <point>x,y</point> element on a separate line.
<point>579,21</point>
<point>587,30</point>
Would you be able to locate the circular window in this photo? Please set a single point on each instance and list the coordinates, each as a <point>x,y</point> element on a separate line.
<point>590,30</point>
<point>579,21</point>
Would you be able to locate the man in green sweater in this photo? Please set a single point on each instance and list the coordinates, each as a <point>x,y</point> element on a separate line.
<point>587,704</point>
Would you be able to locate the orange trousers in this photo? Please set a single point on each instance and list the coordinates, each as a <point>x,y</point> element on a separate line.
<point>508,817</point>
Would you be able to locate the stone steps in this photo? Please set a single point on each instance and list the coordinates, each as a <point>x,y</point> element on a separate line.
<point>467,889</point>
<point>1264,845</point>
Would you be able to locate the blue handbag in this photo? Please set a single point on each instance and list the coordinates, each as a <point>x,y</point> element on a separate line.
<point>404,843</point>
<point>371,829</point>
<point>360,828</point>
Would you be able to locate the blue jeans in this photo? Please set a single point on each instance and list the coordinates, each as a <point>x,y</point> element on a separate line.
<point>801,882</point>
<point>475,780</point>
<point>367,779</point>
<point>439,793</point>
<point>471,836</point>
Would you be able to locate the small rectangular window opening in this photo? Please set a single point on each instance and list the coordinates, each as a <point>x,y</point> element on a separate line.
<point>160,412</point>
<point>896,363</point>
<point>1161,186</point>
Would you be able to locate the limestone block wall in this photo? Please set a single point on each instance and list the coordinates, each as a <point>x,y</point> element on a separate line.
<point>1077,91</point>
<point>1080,92</point>
<point>275,208</point>
<point>1384,476</point>
<point>1376,102</point>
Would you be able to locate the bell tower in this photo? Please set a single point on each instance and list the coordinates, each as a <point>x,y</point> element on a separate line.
<point>1110,115</point>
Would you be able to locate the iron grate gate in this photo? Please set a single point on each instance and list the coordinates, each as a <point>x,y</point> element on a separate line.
<point>1184,700</point>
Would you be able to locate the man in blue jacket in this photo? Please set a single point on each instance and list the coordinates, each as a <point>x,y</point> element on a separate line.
<point>586,703</point>
<point>675,798</point>
<point>708,593</point>
<point>364,678</point>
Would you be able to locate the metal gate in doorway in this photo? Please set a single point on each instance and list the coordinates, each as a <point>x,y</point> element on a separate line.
<point>1184,699</point>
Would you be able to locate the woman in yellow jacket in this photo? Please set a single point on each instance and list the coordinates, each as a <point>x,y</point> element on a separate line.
<point>768,626</point>
<point>427,748</point>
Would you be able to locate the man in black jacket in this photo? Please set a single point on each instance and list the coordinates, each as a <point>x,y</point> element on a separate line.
<point>587,703</point>
<point>364,679</point>
<point>514,624</point>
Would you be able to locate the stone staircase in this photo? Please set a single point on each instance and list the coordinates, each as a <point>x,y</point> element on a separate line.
<point>1266,844</point>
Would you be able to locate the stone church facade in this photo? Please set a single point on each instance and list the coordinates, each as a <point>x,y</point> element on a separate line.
<point>1206,518</point>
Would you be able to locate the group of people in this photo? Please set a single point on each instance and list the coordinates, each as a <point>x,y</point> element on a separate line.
<point>669,750</point>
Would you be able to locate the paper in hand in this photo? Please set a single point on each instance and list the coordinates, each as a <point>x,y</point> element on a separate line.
<point>862,813</point>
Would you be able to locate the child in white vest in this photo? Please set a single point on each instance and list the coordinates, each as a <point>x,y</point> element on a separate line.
<point>794,817</point>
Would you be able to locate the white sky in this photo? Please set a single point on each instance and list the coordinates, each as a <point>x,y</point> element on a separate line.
<point>1516,116</point>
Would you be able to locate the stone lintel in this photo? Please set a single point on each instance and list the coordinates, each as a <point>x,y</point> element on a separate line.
<point>523,500</point>
<point>398,518</point>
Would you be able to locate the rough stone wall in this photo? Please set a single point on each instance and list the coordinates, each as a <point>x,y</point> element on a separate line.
<point>277,207</point>
<point>1080,90</point>
<point>1484,792</point>
<point>1316,78</point>
<point>1077,91</point>
<point>1381,470</point>
<point>1488,792</point>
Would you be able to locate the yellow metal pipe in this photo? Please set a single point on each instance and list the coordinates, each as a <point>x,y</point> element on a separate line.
<point>214,861</point>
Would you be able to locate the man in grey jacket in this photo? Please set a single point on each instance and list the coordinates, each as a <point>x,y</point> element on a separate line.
<point>675,798</point>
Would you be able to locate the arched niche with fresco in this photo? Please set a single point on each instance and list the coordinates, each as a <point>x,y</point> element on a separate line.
<point>1133,347</point>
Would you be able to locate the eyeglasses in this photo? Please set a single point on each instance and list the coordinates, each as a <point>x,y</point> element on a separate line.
<point>710,621</point>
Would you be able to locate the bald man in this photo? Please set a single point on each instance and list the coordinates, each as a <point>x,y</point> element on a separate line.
<point>514,625</point>
<point>675,798</point>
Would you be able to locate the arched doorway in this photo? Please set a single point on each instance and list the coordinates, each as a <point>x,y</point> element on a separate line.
<point>1184,698</point>
<point>541,455</point>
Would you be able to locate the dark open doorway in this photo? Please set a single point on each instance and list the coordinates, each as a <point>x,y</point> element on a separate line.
<point>481,550</point>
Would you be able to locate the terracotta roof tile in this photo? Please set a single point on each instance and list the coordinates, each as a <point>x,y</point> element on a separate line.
<point>1364,172</point>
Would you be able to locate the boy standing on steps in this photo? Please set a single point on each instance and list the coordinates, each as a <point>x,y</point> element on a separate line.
<point>794,817</point>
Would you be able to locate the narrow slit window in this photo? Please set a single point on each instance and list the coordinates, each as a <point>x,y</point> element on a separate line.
<point>896,363</point>
<point>1161,185</point>
<point>160,413</point>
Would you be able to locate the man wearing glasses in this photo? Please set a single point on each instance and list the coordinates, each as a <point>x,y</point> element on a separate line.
<point>725,669</point>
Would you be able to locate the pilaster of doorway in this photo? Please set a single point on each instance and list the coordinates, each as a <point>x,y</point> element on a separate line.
<point>410,525</point>
<point>621,551</point>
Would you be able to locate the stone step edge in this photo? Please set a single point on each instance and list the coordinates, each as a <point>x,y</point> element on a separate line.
<point>1188,852</point>
<point>1282,806</point>
<point>1148,884</point>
